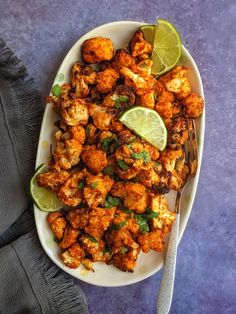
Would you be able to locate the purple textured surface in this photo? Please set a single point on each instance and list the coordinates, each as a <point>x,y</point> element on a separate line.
<point>41,32</point>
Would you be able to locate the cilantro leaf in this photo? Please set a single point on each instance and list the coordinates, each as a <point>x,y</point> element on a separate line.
<point>119,225</point>
<point>81,185</point>
<point>91,238</point>
<point>107,250</point>
<point>142,223</point>
<point>108,170</point>
<point>94,185</point>
<point>150,214</point>
<point>122,165</point>
<point>112,202</point>
<point>123,250</point>
<point>142,155</point>
<point>87,131</point>
<point>119,100</point>
<point>105,143</point>
<point>56,90</point>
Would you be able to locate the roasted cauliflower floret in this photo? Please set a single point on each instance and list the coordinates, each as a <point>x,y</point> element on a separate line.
<point>135,195</point>
<point>193,106</point>
<point>76,113</point>
<point>144,68</point>
<point>139,46</point>
<point>69,193</point>
<point>165,218</point>
<point>97,49</point>
<point>94,159</point>
<point>147,100</point>
<point>106,80</point>
<point>78,218</point>
<point>122,59</point>
<point>121,98</point>
<point>57,223</point>
<point>148,177</point>
<point>96,189</point>
<point>152,241</point>
<point>102,117</point>
<point>126,260</point>
<point>70,237</point>
<point>126,137</point>
<point>178,175</point>
<point>176,82</point>
<point>67,154</point>
<point>178,133</point>
<point>52,180</point>
<point>73,256</point>
<point>168,158</point>
<point>82,76</point>
<point>99,221</point>
<point>94,247</point>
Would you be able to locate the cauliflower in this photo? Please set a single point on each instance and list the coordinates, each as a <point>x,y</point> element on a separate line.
<point>78,218</point>
<point>168,158</point>
<point>75,112</point>
<point>176,82</point>
<point>96,189</point>
<point>165,216</point>
<point>94,159</point>
<point>99,221</point>
<point>152,241</point>
<point>121,98</point>
<point>144,68</point>
<point>139,46</point>
<point>106,80</point>
<point>97,49</point>
<point>193,106</point>
<point>135,195</point>
<point>69,193</point>
<point>82,76</point>
<point>126,260</point>
<point>73,256</point>
<point>57,223</point>
<point>52,180</point>
<point>70,237</point>
<point>102,116</point>
<point>122,59</point>
<point>147,99</point>
<point>178,133</point>
<point>93,247</point>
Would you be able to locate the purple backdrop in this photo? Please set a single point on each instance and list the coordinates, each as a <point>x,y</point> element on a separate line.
<point>41,32</point>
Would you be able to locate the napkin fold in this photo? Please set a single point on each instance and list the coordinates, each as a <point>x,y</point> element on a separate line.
<point>30,282</point>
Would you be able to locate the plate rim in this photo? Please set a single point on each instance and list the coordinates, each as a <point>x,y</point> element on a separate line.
<point>194,183</point>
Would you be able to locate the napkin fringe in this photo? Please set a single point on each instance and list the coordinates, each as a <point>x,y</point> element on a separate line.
<point>29,106</point>
<point>67,298</point>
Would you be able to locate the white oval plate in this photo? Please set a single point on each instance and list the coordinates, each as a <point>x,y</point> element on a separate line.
<point>148,264</point>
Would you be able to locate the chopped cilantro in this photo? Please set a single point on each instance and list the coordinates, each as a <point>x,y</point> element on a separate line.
<point>142,223</point>
<point>91,238</point>
<point>108,170</point>
<point>123,250</point>
<point>142,155</point>
<point>107,250</point>
<point>119,225</point>
<point>94,185</point>
<point>126,210</point>
<point>143,65</point>
<point>122,165</point>
<point>150,214</point>
<point>106,143</point>
<point>56,90</point>
<point>87,131</point>
<point>112,202</point>
<point>129,146</point>
<point>81,185</point>
<point>119,100</point>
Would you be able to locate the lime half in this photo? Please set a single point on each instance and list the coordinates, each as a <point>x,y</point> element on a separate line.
<point>148,124</point>
<point>43,198</point>
<point>167,45</point>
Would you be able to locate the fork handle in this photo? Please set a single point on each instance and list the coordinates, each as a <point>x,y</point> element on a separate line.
<point>167,282</point>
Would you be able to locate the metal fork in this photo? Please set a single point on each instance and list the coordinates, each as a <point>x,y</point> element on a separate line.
<point>167,282</point>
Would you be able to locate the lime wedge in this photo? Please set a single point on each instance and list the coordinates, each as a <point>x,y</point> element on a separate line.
<point>43,198</point>
<point>148,124</point>
<point>167,47</point>
<point>149,33</point>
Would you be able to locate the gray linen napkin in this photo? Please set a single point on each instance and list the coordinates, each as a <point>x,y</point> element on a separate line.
<point>29,281</point>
